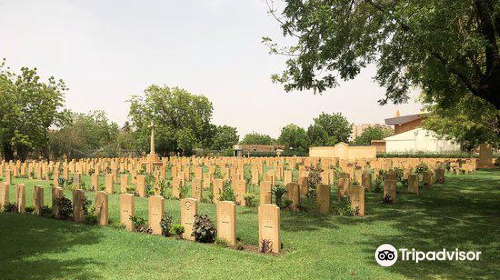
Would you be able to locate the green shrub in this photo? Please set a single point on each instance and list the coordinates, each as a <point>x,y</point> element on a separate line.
<point>178,229</point>
<point>166,225</point>
<point>65,208</point>
<point>221,242</point>
<point>278,193</point>
<point>91,219</point>
<point>204,230</point>
<point>46,212</point>
<point>140,224</point>
<point>10,208</point>
<point>344,208</point>
<point>227,193</point>
<point>249,199</point>
<point>29,209</point>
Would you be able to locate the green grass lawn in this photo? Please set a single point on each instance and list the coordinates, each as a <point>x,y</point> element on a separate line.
<point>463,213</point>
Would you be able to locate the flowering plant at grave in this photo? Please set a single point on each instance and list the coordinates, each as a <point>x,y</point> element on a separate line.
<point>421,168</point>
<point>314,179</point>
<point>387,199</point>
<point>204,230</point>
<point>91,171</point>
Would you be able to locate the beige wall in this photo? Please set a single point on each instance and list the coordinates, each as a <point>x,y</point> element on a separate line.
<point>344,151</point>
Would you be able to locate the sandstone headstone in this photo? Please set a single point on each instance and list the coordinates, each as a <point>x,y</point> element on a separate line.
<point>21,198</point>
<point>357,195</point>
<point>269,228</point>
<point>413,184</point>
<point>196,189</point>
<point>101,207</point>
<point>304,186</point>
<point>485,156</point>
<point>57,192</point>
<point>390,189</point>
<point>109,183</point>
<point>141,185</point>
<point>155,213</point>
<point>367,180</point>
<point>293,194</point>
<point>226,221</point>
<point>217,189</point>
<point>127,209</point>
<point>78,201</point>
<point>4,194</point>
<point>427,179</point>
<point>240,188</point>
<point>189,209</point>
<point>38,197</point>
<point>323,198</point>
<point>94,181</point>
<point>124,182</point>
<point>265,192</point>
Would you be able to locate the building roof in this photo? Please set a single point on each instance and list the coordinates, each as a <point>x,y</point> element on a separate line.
<point>402,119</point>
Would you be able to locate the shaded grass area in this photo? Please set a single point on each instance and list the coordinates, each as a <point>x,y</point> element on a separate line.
<point>463,213</point>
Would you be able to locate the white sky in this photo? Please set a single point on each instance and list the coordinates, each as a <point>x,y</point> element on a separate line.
<point>106,51</point>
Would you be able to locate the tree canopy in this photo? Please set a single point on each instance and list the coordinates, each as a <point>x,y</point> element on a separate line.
<point>255,138</point>
<point>86,135</point>
<point>447,48</point>
<point>182,119</point>
<point>328,130</point>
<point>295,137</point>
<point>372,133</point>
<point>28,108</point>
<point>471,122</point>
<point>224,137</point>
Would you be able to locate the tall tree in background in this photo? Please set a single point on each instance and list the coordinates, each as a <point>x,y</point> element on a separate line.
<point>182,119</point>
<point>255,138</point>
<point>224,137</point>
<point>372,133</point>
<point>328,130</point>
<point>86,135</point>
<point>28,108</point>
<point>447,48</point>
<point>471,122</point>
<point>295,137</point>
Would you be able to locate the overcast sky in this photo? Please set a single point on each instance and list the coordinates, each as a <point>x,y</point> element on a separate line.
<point>106,51</point>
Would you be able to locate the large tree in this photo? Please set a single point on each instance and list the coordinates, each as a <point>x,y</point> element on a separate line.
<point>255,138</point>
<point>28,108</point>
<point>86,135</point>
<point>182,119</point>
<point>447,48</point>
<point>224,137</point>
<point>328,130</point>
<point>471,122</point>
<point>372,133</point>
<point>295,137</point>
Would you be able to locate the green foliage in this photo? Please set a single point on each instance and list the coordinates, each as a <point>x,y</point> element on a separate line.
<point>178,229</point>
<point>257,139</point>
<point>204,230</point>
<point>221,242</point>
<point>10,208</point>
<point>313,179</point>
<point>334,40</point>
<point>46,212</point>
<point>166,225</point>
<point>328,130</point>
<point>227,193</point>
<point>421,168</point>
<point>85,135</point>
<point>140,224</point>
<point>278,192</point>
<point>372,133</point>
<point>249,199</point>
<point>344,207</point>
<point>28,108</point>
<point>463,123</point>
<point>387,199</point>
<point>65,208</point>
<point>182,120</point>
<point>91,219</point>
<point>294,137</point>
<point>224,137</point>
<point>29,209</point>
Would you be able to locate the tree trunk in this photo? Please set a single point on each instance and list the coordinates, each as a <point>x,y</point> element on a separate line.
<point>8,152</point>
